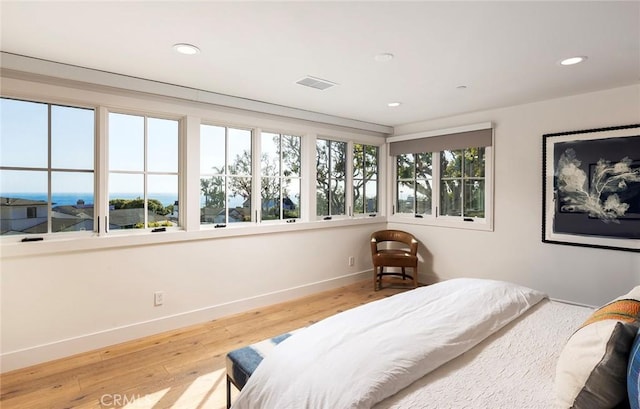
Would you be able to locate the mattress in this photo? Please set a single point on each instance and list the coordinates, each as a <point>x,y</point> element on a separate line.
<point>359,357</point>
<point>513,368</point>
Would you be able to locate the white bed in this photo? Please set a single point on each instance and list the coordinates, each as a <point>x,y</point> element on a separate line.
<point>505,358</point>
<point>513,368</point>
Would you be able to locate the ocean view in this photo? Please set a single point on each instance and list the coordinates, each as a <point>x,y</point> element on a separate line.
<point>66,199</point>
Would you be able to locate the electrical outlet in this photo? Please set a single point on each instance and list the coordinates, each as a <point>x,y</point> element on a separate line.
<point>352,261</point>
<point>158,298</point>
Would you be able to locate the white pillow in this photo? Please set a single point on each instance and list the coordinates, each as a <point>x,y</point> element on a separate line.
<point>592,368</point>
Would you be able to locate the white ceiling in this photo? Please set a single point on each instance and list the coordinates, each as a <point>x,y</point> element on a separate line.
<point>505,53</point>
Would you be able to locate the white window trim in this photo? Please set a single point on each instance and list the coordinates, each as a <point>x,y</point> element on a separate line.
<point>380,185</point>
<point>105,171</point>
<point>258,181</point>
<point>434,219</point>
<point>348,179</point>
<point>190,116</point>
<point>49,169</point>
<point>225,175</point>
<point>71,243</point>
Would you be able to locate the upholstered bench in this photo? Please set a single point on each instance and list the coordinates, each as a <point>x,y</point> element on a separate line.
<point>242,362</point>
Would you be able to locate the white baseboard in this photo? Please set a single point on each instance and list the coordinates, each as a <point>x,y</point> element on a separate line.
<point>71,346</point>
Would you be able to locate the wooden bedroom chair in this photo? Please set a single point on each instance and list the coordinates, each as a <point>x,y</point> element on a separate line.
<point>392,256</point>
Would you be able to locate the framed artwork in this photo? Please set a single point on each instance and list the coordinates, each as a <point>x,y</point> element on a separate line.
<point>591,188</point>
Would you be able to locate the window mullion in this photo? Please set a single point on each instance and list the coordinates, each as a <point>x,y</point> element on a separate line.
<point>280,178</point>
<point>225,174</point>
<point>308,177</point>
<point>189,169</point>
<point>145,176</point>
<point>349,182</point>
<point>392,181</point>
<point>101,201</point>
<point>329,177</point>
<point>49,171</point>
<point>256,185</point>
<point>435,183</point>
<point>462,179</point>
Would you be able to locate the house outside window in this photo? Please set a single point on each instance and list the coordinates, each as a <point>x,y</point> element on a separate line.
<point>143,171</point>
<point>46,168</point>
<point>365,179</point>
<point>331,163</point>
<point>280,176</point>
<point>225,175</point>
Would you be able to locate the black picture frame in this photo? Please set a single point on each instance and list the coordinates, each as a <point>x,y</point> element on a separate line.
<point>591,188</point>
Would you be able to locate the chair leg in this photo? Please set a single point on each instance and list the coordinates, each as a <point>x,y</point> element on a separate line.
<point>375,278</point>
<point>415,277</point>
<point>404,274</point>
<point>228,392</point>
<point>380,277</point>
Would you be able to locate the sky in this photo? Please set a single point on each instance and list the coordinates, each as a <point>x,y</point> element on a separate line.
<point>24,143</point>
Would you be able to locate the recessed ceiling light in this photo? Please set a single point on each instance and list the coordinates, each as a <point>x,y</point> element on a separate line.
<point>394,104</point>
<point>188,49</point>
<point>383,57</point>
<point>573,60</point>
<point>461,87</point>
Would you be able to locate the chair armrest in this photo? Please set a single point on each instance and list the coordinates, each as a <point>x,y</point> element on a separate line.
<point>374,246</point>
<point>414,247</point>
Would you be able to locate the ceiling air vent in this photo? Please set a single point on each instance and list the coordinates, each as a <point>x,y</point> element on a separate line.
<point>316,83</point>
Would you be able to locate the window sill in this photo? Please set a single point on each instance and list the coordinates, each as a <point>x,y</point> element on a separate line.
<point>13,247</point>
<point>480,225</point>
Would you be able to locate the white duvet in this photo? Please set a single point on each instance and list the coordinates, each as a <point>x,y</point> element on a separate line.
<point>361,356</point>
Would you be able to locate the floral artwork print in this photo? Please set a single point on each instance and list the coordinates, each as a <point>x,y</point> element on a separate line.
<point>600,199</point>
<point>591,188</point>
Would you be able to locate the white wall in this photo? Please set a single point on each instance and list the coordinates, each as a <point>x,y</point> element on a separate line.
<point>68,301</point>
<point>61,304</point>
<point>65,295</point>
<point>514,250</point>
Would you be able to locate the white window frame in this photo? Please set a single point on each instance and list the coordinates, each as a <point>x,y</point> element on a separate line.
<point>434,219</point>
<point>49,169</point>
<point>226,175</point>
<point>379,187</point>
<point>348,179</point>
<point>190,116</point>
<point>258,178</point>
<point>104,172</point>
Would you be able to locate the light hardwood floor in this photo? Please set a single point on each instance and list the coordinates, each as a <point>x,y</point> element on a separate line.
<point>184,368</point>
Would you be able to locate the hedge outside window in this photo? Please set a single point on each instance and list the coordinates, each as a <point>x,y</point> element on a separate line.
<point>280,182</point>
<point>462,182</point>
<point>331,162</point>
<point>225,175</point>
<point>414,183</point>
<point>365,179</point>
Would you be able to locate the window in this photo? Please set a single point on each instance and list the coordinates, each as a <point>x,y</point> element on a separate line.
<point>143,172</point>
<point>331,161</point>
<point>445,178</point>
<point>280,166</point>
<point>225,175</point>
<point>46,168</point>
<point>32,212</point>
<point>414,183</point>
<point>56,161</point>
<point>365,179</point>
<point>462,182</point>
